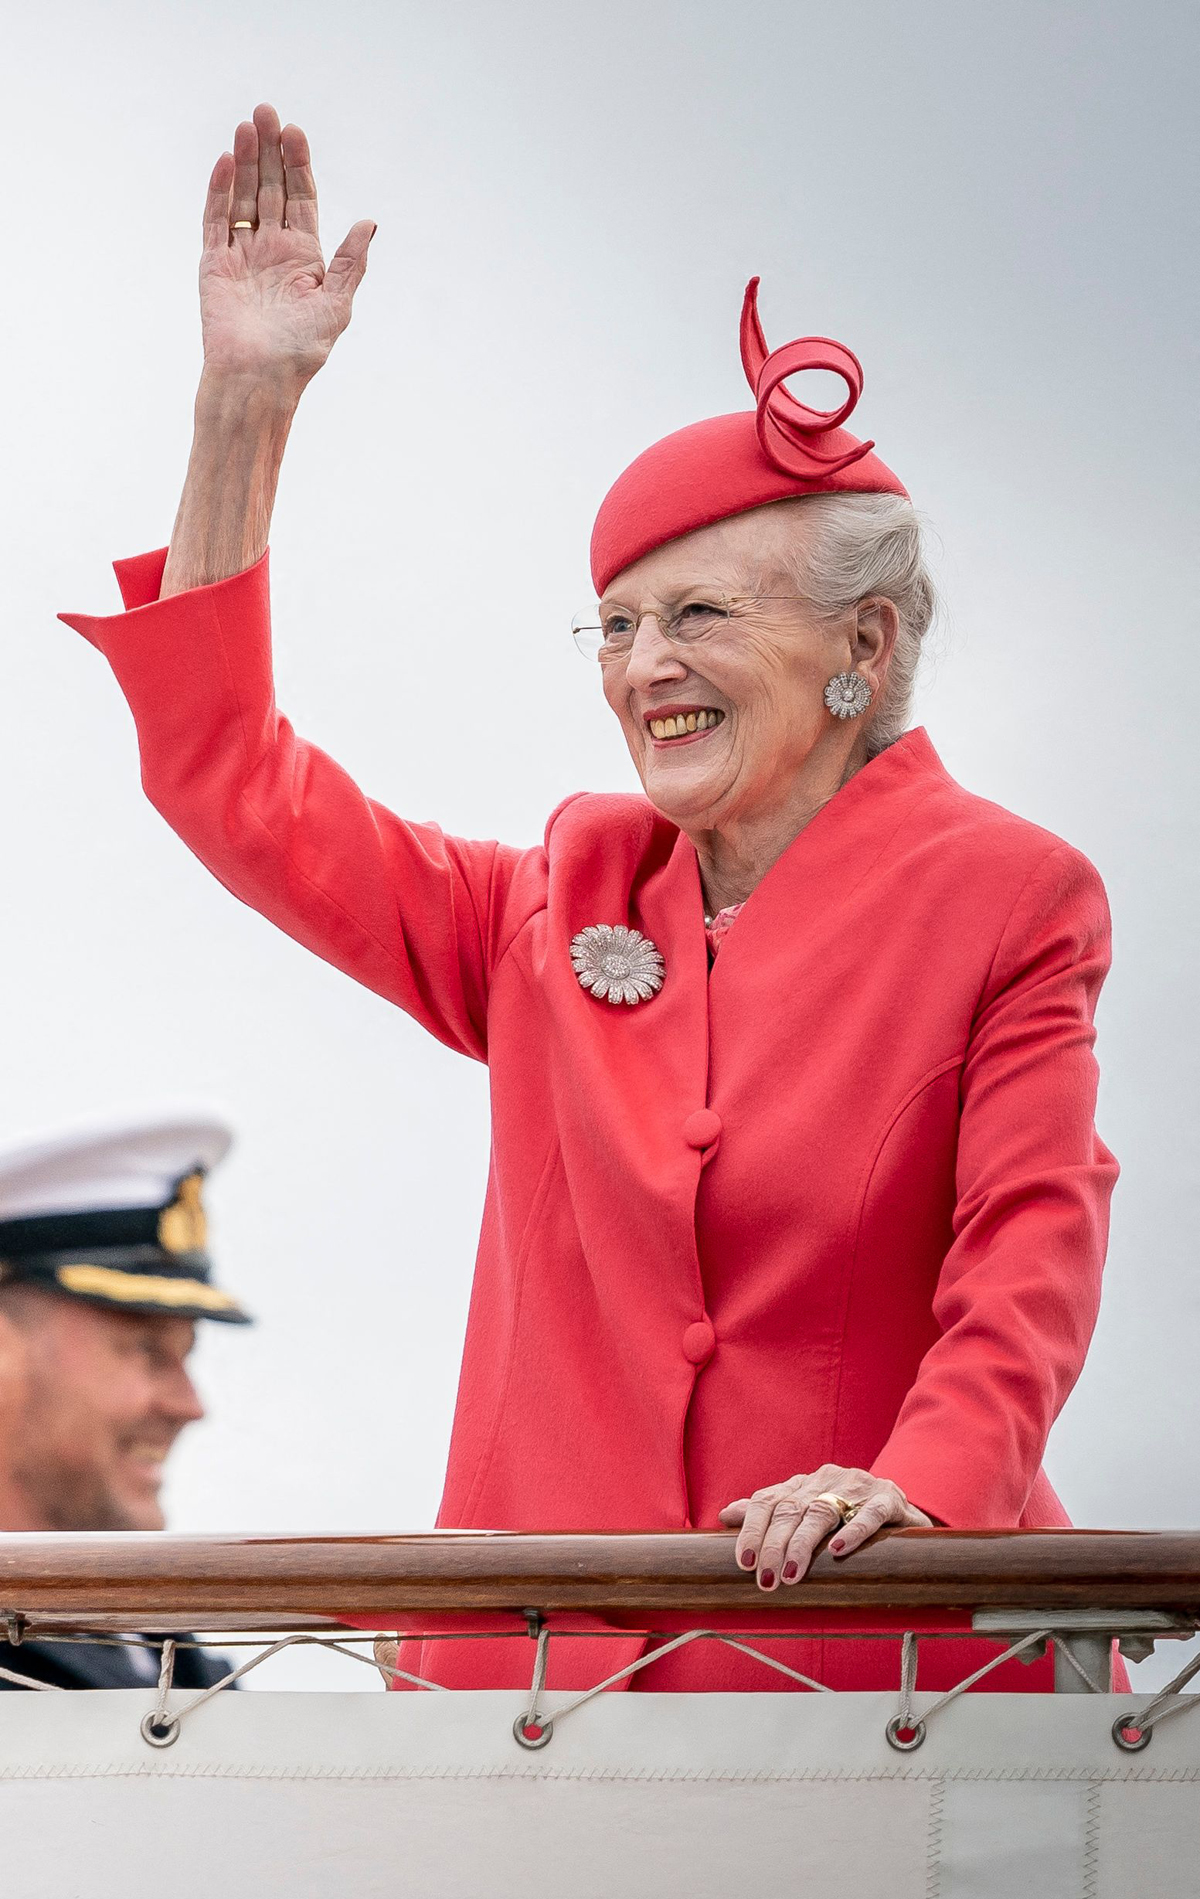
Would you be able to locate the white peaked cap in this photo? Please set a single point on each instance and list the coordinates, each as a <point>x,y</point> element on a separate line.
<point>122,1163</point>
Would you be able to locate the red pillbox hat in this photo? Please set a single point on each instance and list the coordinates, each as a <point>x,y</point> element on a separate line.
<point>713,469</point>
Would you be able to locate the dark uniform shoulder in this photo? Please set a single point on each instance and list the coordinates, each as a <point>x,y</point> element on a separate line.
<point>107,1663</point>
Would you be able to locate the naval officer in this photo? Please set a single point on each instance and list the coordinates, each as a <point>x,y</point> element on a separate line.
<point>104,1272</point>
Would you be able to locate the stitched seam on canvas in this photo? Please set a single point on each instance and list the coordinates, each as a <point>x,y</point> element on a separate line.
<point>1091,1844</point>
<point>222,1770</point>
<point>933,1840</point>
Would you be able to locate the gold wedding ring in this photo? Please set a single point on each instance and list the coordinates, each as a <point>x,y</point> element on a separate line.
<point>243,224</point>
<point>846,1511</point>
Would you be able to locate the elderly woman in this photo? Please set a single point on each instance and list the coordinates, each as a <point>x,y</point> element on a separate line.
<point>797,1210</point>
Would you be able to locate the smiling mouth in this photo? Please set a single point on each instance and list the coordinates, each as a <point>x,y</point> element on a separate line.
<point>146,1458</point>
<point>681,725</point>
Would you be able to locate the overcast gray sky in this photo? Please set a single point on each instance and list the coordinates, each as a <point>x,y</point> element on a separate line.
<point>993,205</point>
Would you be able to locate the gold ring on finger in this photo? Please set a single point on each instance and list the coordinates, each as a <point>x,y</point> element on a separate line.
<point>242,224</point>
<point>845,1511</point>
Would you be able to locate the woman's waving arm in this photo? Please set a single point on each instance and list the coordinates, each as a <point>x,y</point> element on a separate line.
<point>414,915</point>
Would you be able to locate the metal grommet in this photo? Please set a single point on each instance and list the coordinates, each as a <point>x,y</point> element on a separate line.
<point>532,1735</point>
<point>160,1730</point>
<point>896,1727</point>
<point>1129,1724</point>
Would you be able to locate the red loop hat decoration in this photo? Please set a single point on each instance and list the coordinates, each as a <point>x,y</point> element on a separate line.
<point>731,463</point>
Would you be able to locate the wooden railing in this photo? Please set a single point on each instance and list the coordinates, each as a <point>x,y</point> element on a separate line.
<point>312,1582</point>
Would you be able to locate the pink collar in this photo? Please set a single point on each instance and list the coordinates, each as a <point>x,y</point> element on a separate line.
<point>720,925</point>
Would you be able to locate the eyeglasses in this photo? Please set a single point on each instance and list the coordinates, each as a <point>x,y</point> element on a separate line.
<point>609,635</point>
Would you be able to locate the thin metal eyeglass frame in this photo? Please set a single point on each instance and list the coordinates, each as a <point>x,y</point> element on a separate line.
<point>581,627</point>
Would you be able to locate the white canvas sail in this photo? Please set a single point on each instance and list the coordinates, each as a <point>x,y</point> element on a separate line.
<point>316,1796</point>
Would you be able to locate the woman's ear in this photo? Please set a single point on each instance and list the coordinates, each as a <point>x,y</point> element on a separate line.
<point>876,626</point>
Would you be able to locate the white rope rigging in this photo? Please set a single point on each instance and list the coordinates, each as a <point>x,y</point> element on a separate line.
<point>534,1728</point>
<point>1065,1650</point>
<point>543,1725</point>
<point>161,1727</point>
<point>904,1731</point>
<point>27,1681</point>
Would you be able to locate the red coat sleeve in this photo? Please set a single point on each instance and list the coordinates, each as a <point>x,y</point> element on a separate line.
<point>1019,1289</point>
<point>418,917</point>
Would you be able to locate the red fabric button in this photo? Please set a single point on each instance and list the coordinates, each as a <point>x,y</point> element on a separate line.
<point>698,1342</point>
<point>702,1128</point>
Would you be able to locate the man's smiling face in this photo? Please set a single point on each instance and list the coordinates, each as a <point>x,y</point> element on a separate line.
<point>92,1401</point>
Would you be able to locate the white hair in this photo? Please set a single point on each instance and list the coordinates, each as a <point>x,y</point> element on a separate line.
<point>851,548</point>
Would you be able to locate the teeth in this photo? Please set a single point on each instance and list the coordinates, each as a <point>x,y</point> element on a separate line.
<point>680,724</point>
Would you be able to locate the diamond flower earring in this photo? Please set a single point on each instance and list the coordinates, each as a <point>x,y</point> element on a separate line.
<point>847,695</point>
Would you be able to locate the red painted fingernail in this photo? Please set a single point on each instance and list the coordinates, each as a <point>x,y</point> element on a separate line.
<point>837,1545</point>
<point>790,1572</point>
<point>748,1559</point>
<point>767,1578</point>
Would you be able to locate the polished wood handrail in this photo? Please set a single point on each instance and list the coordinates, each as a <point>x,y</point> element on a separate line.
<point>266,1582</point>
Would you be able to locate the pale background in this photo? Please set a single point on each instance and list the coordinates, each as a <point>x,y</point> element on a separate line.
<point>991,204</point>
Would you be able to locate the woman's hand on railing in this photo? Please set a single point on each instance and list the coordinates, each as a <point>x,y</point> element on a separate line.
<point>780,1526</point>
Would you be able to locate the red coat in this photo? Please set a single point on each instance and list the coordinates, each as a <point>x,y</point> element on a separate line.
<point>840,1199</point>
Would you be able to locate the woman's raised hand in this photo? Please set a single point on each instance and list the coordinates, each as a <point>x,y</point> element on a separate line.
<point>271,310</point>
<point>271,313</point>
<point>780,1526</point>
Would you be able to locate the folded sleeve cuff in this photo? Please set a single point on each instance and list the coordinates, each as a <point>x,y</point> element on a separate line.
<point>140,581</point>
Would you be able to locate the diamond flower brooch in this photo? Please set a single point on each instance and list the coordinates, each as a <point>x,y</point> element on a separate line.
<point>615,964</point>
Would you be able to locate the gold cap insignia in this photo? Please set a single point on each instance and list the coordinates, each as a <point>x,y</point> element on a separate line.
<point>143,1289</point>
<point>182,1227</point>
